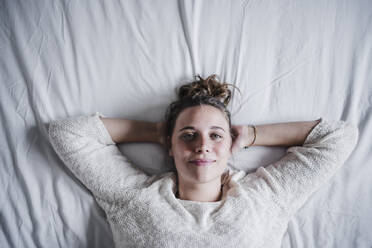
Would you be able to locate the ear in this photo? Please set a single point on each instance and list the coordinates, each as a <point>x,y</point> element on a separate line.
<point>170,153</point>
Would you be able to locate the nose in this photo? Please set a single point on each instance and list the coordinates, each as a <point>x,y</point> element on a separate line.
<point>202,146</point>
<point>202,149</point>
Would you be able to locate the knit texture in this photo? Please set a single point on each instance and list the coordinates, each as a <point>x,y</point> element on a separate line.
<point>142,210</point>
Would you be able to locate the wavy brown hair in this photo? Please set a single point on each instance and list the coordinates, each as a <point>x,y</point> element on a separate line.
<point>208,91</point>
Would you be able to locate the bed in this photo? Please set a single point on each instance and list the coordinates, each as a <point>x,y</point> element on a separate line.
<point>292,61</point>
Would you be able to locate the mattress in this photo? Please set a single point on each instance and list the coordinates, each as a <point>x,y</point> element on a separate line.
<point>291,60</point>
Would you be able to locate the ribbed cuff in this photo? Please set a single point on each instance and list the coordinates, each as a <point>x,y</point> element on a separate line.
<point>313,133</point>
<point>104,135</point>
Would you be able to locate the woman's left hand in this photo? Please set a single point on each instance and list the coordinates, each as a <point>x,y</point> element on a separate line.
<point>240,137</point>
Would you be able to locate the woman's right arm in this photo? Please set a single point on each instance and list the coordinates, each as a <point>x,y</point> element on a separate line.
<point>85,146</point>
<point>124,130</point>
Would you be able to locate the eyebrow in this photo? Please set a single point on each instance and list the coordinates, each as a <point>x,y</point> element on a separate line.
<point>190,127</point>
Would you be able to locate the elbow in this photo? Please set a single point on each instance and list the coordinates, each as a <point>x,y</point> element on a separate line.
<point>56,132</point>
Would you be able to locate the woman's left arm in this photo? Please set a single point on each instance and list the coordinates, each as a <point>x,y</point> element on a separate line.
<point>276,134</point>
<point>291,180</point>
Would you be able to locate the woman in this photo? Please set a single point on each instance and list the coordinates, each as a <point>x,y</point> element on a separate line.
<point>204,203</point>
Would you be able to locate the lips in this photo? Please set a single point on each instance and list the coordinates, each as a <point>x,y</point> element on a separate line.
<point>202,162</point>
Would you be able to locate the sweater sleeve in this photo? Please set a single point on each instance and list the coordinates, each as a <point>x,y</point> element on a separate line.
<point>290,181</point>
<point>85,146</point>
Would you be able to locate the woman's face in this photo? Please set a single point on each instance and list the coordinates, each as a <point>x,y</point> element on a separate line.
<point>201,132</point>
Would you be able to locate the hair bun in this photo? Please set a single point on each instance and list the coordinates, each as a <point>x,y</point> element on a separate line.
<point>209,87</point>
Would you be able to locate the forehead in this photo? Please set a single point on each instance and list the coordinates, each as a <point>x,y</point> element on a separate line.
<point>204,115</point>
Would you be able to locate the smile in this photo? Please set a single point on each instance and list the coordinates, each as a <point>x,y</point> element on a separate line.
<point>202,162</point>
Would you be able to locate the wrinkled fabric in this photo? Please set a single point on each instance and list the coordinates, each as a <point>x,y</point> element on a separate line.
<point>291,60</point>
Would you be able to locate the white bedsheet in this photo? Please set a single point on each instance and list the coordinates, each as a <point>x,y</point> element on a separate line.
<point>292,60</point>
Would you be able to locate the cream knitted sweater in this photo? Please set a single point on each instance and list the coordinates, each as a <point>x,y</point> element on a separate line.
<point>255,209</point>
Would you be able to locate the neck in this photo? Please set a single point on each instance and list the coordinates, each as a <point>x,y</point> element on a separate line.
<point>204,192</point>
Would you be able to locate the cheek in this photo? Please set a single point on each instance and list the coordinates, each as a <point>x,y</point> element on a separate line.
<point>223,149</point>
<point>181,149</point>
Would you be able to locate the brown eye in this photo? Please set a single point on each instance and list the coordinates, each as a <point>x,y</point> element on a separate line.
<point>187,136</point>
<point>217,136</point>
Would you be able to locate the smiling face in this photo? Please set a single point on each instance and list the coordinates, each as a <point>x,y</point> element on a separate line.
<point>201,132</point>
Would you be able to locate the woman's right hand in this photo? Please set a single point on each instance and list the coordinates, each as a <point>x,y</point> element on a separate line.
<point>160,127</point>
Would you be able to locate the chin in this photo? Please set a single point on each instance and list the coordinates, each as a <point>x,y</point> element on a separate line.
<point>204,178</point>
